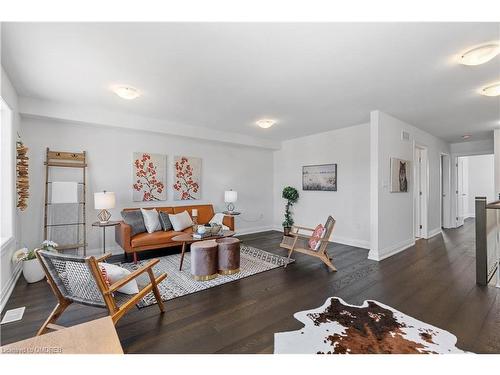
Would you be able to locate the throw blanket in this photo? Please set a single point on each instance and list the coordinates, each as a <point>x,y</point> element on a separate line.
<point>217,219</point>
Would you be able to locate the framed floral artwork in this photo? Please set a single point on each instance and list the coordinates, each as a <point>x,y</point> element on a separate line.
<point>187,184</point>
<point>149,179</point>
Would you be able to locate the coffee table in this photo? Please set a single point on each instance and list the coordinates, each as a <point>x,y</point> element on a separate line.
<point>187,238</point>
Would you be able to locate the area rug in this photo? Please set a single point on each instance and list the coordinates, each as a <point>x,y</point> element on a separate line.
<point>180,283</point>
<point>372,328</point>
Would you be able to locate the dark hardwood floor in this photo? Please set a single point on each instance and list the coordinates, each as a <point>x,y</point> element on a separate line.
<point>434,281</point>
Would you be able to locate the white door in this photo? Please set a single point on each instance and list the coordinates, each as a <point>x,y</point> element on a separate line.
<point>462,194</point>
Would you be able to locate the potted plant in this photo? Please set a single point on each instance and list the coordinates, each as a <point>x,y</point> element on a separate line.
<point>292,196</point>
<point>32,270</point>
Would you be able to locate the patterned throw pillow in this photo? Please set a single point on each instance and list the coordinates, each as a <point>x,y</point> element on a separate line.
<point>314,242</point>
<point>105,275</point>
<point>166,225</point>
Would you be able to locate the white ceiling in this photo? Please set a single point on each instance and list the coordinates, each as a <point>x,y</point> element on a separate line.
<point>225,76</point>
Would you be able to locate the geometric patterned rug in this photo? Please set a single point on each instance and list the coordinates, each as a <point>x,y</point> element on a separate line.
<point>372,328</point>
<point>180,283</point>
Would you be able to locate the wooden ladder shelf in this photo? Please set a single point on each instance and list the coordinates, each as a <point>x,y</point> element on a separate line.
<point>60,159</point>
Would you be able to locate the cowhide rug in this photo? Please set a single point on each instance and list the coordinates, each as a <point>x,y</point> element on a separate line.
<point>340,328</point>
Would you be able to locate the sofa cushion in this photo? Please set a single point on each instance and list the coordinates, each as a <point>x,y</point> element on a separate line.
<point>156,238</point>
<point>135,220</point>
<point>181,221</point>
<point>166,225</point>
<point>151,220</point>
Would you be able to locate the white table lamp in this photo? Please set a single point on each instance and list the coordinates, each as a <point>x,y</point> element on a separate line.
<point>103,201</point>
<point>230,196</point>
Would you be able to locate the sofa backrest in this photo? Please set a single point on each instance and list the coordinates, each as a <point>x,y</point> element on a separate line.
<point>205,211</point>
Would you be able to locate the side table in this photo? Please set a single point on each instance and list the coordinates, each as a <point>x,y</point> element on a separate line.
<point>103,226</point>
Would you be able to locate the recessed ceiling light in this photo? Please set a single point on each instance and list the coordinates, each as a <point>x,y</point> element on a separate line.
<point>491,90</point>
<point>126,92</point>
<point>480,55</point>
<point>266,123</point>
<point>466,136</point>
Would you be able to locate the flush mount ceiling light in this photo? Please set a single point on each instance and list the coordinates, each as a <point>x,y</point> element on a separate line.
<point>491,90</point>
<point>466,136</point>
<point>480,55</point>
<point>126,92</point>
<point>266,123</point>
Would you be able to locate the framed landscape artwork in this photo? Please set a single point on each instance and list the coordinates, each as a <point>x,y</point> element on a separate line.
<point>149,177</point>
<point>187,184</point>
<point>400,175</point>
<point>319,177</point>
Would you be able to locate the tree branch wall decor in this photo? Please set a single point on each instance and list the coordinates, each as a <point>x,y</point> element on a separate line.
<point>22,178</point>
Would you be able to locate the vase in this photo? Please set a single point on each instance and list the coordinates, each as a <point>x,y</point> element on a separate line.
<point>32,270</point>
<point>286,231</point>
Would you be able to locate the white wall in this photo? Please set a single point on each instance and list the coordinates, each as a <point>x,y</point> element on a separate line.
<point>496,150</point>
<point>392,222</point>
<point>9,272</point>
<point>247,170</point>
<point>481,181</point>
<point>349,205</point>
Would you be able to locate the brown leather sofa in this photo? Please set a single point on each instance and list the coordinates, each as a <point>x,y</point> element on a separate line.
<point>157,240</point>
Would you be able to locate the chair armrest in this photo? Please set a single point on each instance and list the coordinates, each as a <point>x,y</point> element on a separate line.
<point>300,235</point>
<point>133,275</point>
<point>301,227</point>
<point>228,221</point>
<point>103,258</point>
<point>123,234</point>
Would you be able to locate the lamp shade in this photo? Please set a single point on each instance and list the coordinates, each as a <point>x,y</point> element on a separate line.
<point>104,200</point>
<point>230,196</point>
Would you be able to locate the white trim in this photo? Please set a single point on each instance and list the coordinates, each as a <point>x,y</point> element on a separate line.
<point>9,286</point>
<point>340,240</point>
<point>6,242</point>
<point>254,230</point>
<point>434,232</point>
<point>391,250</point>
<point>352,242</point>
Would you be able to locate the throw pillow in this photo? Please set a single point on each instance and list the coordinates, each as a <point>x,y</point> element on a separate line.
<point>116,273</point>
<point>135,219</point>
<point>165,221</point>
<point>180,221</point>
<point>314,241</point>
<point>105,275</point>
<point>151,220</point>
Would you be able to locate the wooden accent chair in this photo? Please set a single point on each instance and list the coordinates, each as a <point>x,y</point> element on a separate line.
<point>299,242</point>
<point>79,279</point>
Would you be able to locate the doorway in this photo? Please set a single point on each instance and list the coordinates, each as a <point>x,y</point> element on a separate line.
<point>421,191</point>
<point>475,178</point>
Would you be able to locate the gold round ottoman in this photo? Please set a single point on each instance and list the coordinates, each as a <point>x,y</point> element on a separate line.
<point>229,255</point>
<point>204,264</point>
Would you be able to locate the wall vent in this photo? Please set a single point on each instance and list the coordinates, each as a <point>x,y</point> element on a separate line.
<point>405,136</point>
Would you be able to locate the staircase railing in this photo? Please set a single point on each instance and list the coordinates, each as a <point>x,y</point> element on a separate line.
<point>487,241</point>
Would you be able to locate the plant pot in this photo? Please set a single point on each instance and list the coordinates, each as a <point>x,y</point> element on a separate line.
<point>33,271</point>
<point>286,230</point>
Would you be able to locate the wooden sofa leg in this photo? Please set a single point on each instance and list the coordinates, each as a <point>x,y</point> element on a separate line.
<point>135,257</point>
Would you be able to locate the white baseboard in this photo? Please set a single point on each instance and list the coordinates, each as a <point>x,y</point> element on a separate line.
<point>391,250</point>
<point>341,240</point>
<point>351,242</point>
<point>255,230</point>
<point>434,232</point>
<point>9,286</point>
